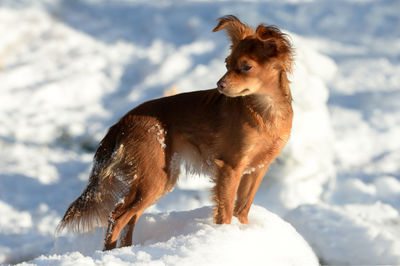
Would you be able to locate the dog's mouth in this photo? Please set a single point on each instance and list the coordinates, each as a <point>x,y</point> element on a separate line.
<point>234,94</point>
<point>245,91</point>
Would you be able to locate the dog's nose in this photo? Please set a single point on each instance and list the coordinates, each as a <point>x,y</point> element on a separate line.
<point>221,84</point>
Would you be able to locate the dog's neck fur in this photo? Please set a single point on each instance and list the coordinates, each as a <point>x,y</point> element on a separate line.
<point>273,105</point>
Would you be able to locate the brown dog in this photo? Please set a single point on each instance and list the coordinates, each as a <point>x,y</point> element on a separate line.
<point>233,133</point>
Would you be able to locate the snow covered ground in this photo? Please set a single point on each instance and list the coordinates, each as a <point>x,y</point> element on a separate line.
<point>70,69</point>
<point>191,238</point>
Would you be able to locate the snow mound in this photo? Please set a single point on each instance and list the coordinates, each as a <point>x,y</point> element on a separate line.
<point>368,234</point>
<point>191,238</point>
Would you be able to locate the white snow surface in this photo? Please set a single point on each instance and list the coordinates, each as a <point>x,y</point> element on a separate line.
<point>70,69</point>
<point>191,238</point>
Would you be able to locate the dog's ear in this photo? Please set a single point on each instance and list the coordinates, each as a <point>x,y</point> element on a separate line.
<point>267,32</point>
<point>235,29</point>
<point>276,45</point>
<point>271,48</point>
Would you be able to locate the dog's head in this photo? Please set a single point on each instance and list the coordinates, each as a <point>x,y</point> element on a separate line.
<point>257,57</point>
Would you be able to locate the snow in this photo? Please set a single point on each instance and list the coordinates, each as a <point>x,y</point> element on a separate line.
<point>160,134</point>
<point>368,235</point>
<point>70,69</point>
<point>191,238</point>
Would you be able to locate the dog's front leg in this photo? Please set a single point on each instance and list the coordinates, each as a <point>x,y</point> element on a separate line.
<point>246,192</point>
<point>224,192</point>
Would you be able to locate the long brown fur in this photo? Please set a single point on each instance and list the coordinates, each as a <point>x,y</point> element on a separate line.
<point>233,133</point>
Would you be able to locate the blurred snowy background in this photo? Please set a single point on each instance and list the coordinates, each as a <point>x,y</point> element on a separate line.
<point>70,69</point>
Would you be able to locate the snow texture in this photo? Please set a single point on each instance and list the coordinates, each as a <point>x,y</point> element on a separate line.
<point>71,69</point>
<point>191,238</point>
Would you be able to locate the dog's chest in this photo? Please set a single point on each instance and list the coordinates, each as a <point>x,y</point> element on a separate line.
<point>190,162</point>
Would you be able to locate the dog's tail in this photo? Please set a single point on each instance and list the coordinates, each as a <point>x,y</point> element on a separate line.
<point>105,189</point>
<point>86,212</point>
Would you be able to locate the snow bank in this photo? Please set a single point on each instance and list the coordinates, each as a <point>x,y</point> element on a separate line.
<point>191,238</point>
<point>359,233</point>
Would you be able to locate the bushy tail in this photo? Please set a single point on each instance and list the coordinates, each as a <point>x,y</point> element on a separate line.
<point>86,212</point>
<point>105,189</point>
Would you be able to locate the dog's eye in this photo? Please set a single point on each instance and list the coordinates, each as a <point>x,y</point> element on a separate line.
<point>246,67</point>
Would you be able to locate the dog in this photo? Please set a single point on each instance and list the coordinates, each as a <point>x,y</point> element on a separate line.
<point>233,133</point>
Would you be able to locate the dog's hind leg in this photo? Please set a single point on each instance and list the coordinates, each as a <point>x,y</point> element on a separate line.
<point>127,214</point>
<point>245,194</point>
<point>116,222</point>
<point>126,238</point>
